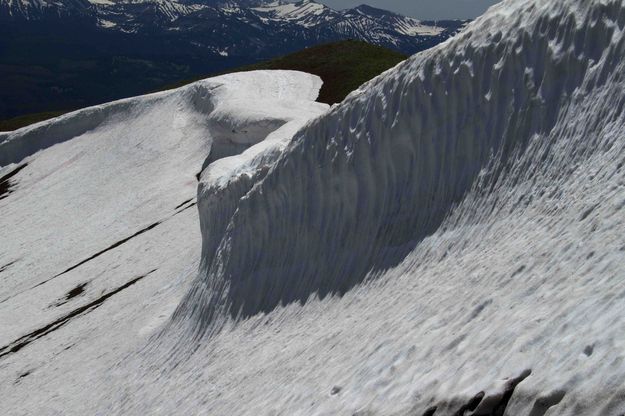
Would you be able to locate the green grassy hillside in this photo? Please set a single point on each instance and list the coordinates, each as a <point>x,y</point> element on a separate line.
<point>343,67</point>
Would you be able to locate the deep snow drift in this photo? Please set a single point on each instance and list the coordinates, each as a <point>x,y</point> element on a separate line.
<point>450,240</point>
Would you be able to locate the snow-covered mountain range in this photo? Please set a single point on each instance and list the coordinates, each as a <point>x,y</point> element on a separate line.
<point>447,241</point>
<point>59,55</point>
<point>270,22</point>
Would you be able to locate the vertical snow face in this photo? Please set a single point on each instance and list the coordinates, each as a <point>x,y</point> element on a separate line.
<point>476,190</point>
<point>470,132</point>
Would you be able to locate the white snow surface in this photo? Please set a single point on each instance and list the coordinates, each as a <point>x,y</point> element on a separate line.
<point>305,12</point>
<point>449,240</point>
<point>91,180</point>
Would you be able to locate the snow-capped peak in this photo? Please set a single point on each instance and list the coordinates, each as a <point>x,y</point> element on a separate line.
<point>306,13</point>
<point>38,9</point>
<point>306,21</point>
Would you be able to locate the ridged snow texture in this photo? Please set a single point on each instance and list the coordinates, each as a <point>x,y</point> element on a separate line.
<point>519,120</point>
<point>475,119</point>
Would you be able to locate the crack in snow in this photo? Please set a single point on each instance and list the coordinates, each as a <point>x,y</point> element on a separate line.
<point>99,253</point>
<point>6,184</point>
<point>23,341</point>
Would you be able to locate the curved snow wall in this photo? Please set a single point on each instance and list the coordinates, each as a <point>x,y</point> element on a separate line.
<point>359,188</point>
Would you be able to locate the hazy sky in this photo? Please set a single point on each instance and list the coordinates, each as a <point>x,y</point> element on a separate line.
<point>422,9</point>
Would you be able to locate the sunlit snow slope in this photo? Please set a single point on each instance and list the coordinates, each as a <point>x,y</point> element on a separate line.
<point>99,227</point>
<point>450,240</point>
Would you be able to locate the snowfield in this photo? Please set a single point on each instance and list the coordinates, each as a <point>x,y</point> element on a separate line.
<point>449,240</point>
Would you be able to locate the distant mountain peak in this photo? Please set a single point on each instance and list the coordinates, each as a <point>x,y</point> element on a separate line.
<point>370,10</point>
<point>44,9</point>
<point>226,26</point>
